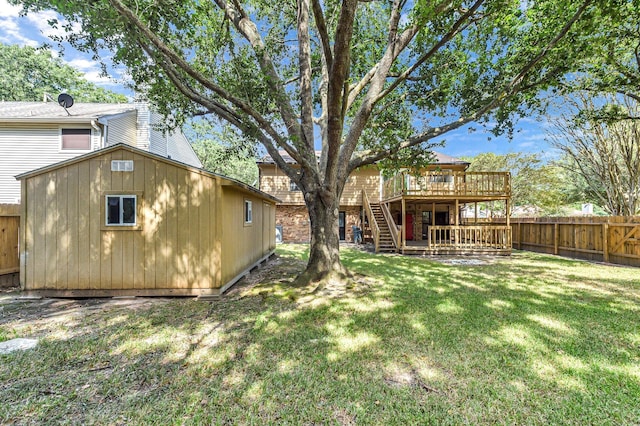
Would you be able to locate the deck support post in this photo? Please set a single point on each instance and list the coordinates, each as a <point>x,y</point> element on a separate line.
<point>404,225</point>
<point>475,216</point>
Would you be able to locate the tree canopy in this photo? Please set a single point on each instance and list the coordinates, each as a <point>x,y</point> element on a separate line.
<point>365,80</point>
<point>602,156</point>
<point>26,74</point>
<point>534,183</point>
<point>222,150</point>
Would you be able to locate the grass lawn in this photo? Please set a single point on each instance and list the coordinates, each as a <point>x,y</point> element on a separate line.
<point>530,339</point>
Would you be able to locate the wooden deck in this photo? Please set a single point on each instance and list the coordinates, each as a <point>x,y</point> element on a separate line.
<point>480,239</point>
<point>465,186</point>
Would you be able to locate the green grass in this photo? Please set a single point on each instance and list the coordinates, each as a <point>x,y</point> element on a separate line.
<point>530,339</point>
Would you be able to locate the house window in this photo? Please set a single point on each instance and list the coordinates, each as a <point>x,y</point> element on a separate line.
<point>121,210</point>
<point>248,211</point>
<point>293,186</point>
<point>76,139</point>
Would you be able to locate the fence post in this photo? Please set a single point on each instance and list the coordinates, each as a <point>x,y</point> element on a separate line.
<point>520,235</point>
<point>605,242</point>
<point>556,237</point>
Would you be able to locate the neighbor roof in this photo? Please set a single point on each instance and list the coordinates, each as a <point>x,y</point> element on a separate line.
<point>440,158</point>
<point>51,111</point>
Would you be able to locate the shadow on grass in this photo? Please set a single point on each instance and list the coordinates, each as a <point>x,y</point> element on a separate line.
<point>525,340</point>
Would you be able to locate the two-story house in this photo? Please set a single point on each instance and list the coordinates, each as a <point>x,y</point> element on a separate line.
<point>38,134</point>
<point>407,213</point>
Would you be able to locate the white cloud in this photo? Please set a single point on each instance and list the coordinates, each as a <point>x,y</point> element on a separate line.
<point>95,77</point>
<point>11,34</point>
<point>84,65</point>
<point>41,21</point>
<point>8,10</point>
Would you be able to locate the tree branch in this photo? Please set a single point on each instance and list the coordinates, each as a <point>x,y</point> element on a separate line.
<point>321,25</point>
<point>369,157</point>
<point>304,61</point>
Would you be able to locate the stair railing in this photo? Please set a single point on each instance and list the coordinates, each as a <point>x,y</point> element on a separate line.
<point>373,224</point>
<point>393,229</point>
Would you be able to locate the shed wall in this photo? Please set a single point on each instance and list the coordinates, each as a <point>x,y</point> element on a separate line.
<point>245,244</point>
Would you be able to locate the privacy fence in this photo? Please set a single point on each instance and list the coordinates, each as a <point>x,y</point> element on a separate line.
<point>613,239</point>
<point>9,257</point>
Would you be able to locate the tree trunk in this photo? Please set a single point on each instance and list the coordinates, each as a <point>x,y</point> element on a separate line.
<point>324,255</point>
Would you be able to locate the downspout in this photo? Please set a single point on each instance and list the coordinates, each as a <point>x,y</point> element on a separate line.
<point>98,129</point>
<point>105,139</point>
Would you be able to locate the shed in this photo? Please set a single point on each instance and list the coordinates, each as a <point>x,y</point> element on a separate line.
<point>123,221</point>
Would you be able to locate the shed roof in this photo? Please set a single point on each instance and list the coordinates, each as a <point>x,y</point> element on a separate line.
<point>52,112</point>
<point>440,158</point>
<point>229,181</point>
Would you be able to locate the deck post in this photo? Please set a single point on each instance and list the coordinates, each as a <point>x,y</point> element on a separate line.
<point>433,214</point>
<point>475,216</point>
<point>507,212</point>
<point>404,225</point>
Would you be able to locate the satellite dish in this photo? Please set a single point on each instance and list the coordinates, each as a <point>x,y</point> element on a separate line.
<point>65,101</point>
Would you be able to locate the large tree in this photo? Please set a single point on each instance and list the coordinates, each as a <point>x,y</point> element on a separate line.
<point>365,80</point>
<point>27,74</point>
<point>602,155</point>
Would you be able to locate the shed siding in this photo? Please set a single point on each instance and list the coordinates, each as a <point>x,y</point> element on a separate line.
<point>67,246</point>
<point>244,244</point>
<point>29,147</point>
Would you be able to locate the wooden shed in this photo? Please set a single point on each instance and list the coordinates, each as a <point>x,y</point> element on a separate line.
<point>122,221</point>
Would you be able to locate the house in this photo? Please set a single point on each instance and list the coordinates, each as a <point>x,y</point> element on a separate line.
<point>37,134</point>
<point>407,213</point>
<point>125,221</point>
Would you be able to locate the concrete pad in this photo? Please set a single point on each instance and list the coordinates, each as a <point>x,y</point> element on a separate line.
<point>18,344</point>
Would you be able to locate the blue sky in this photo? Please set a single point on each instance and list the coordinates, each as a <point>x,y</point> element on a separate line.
<point>33,30</point>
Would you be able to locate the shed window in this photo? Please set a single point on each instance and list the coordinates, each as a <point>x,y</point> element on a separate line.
<point>121,210</point>
<point>76,139</point>
<point>248,211</point>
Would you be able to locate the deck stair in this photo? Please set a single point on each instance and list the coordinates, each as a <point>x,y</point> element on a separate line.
<point>386,241</point>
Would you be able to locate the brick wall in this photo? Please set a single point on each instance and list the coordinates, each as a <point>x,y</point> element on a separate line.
<point>295,222</point>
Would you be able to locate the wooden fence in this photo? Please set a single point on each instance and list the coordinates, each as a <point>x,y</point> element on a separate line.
<point>612,239</point>
<point>9,224</point>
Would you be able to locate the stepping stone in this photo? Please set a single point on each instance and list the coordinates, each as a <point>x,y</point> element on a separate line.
<point>18,344</point>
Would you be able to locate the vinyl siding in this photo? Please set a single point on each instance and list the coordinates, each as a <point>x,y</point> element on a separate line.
<point>29,147</point>
<point>122,129</point>
<point>157,141</point>
<point>171,145</point>
<point>180,149</point>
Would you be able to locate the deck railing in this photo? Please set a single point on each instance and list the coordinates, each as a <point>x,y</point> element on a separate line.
<point>448,183</point>
<point>470,237</point>
<point>394,229</point>
<point>375,230</point>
